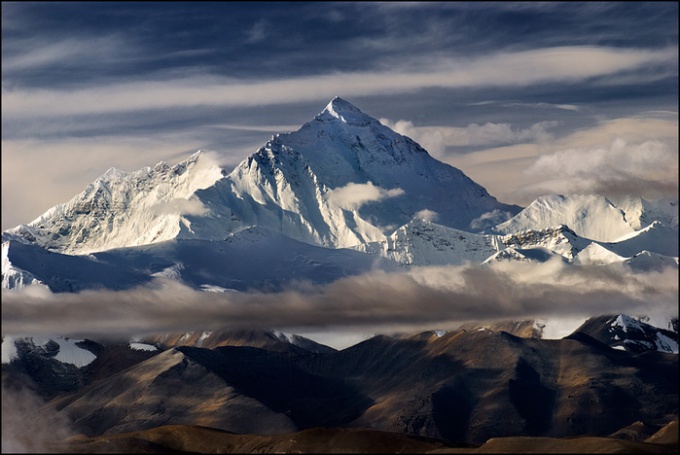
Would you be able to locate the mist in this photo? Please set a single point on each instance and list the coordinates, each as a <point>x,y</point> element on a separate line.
<point>27,425</point>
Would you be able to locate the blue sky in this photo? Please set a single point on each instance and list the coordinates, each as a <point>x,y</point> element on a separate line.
<point>526,98</point>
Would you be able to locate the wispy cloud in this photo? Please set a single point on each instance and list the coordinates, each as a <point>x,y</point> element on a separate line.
<point>563,64</point>
<point>26,427</point>
<point>259,32</point>
<point>69,52</point>
<point>566,107</point>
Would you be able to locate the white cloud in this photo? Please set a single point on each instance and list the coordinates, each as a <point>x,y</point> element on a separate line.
<point>178,206</point>
<point>427,215</point>
<point>648,168</point>
<point>631,155</point>
<point>489,219</point>
<point>354,195</point>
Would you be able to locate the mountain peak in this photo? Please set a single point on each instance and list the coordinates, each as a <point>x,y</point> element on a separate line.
<point>344,111</point>
<point>338,104</point>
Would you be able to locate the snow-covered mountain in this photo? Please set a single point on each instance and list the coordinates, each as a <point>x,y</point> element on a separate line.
<point>629,334</point>
<point>122,209</point>
<point>342,179</point>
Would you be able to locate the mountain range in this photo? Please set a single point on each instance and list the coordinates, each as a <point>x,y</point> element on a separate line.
<point>343,183</point>
<point>341,197</point>
<point>458,389</point>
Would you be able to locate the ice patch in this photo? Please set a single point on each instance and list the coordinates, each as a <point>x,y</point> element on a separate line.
<point>143,347</point>
<point>666,344</point>
<point>68,352</point>
<point>202,338</point>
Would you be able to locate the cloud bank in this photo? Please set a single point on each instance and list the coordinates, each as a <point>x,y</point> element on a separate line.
<point>634,155</point>
<point>376,301</point>
<point>648,168</point>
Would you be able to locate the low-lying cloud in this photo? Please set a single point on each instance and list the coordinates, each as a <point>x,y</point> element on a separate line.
<point>375,301</point>
<point>26,426</point>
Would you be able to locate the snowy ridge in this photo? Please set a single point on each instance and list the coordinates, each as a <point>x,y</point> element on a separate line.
<point>421,242</point>
<point>560,240</point>
<point>645,261</point>
<point>232,264</point>
<point>125,209</point>
<point>640,212</point>
<point>208,265</point>
<point>592,216</point>
<point>596,254</point>
<point>12,276</point>
<point>655,238</point>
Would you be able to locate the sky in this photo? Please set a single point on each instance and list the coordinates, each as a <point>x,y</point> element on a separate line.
<point>526,98</point>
